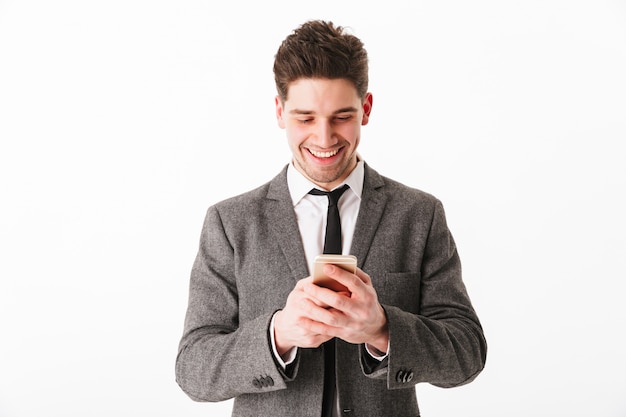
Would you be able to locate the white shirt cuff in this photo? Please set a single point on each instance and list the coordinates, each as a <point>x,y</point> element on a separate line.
<point>375,353</point>
<point>290,355</point>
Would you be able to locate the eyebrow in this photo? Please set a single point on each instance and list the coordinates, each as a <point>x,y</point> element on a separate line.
<point>307,112</point>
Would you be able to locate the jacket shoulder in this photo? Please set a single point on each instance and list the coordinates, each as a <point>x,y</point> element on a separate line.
<point>396,191</point>
<point>254,199</point>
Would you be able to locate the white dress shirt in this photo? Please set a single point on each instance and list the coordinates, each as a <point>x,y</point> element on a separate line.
<point>312,210</point>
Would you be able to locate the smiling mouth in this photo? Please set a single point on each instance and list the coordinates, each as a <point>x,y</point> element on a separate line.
<point>327,154</point>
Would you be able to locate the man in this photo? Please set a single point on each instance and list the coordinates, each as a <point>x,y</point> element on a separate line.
<point>259,330</point>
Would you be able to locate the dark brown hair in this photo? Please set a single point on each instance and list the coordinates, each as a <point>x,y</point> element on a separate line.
<point>319,49</point>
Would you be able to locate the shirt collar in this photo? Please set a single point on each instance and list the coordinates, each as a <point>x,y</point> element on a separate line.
<point>299,185</point>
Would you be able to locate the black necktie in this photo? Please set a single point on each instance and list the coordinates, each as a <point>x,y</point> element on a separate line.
<point>332,239</point>
<point>332,245</point>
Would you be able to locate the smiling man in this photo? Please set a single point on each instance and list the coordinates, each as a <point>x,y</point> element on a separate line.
<point>259,330</point>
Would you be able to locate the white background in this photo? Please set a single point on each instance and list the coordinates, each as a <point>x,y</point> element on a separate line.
<point>121,121</point>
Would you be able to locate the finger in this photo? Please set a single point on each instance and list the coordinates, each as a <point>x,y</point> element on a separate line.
<point>299,295</point>
<point>324,297</point>
<point>339,308</point>
<point>326,315</point>
<point>302,282</point>
<point>367,280</point>
<point>348,279</point>
<point>311,339</point>
<point>324,330</point>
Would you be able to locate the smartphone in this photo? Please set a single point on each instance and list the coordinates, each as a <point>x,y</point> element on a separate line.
<point>347,262</point>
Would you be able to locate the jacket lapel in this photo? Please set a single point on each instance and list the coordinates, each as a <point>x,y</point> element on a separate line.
<point>284,225</point>
<point>373,202</point>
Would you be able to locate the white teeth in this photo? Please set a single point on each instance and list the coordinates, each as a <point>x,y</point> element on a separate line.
<point>324,154</point>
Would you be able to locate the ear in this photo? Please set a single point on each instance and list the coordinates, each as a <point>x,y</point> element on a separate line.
<point>367,108</point>
<point>279,112</point>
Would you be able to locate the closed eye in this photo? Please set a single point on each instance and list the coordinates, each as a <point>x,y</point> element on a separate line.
<point>343,118</point>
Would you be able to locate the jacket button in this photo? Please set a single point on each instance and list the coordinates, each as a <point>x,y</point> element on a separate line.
<point>404,376</point>
<point>267,381</point>
<point>263,382</point>
<point>400,376</point>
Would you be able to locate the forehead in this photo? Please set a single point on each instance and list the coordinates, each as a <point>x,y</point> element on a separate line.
<point>321,95</point>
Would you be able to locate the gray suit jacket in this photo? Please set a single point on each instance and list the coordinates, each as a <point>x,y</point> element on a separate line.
<point>250,258</point>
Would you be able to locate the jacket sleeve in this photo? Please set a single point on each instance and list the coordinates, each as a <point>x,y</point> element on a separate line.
<point>441,342</point>
<point>219,357</point>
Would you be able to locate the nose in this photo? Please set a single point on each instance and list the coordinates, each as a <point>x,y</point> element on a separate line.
<point>325,134</point>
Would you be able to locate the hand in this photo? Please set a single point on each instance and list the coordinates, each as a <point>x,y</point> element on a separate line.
<point>294,325</point>
<point>356,316</point>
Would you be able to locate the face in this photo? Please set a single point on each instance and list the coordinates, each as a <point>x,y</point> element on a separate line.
<point>323,119</point>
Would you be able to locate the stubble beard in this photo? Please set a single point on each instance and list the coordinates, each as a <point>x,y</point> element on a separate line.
<point>327,177</point>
